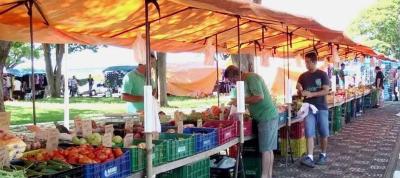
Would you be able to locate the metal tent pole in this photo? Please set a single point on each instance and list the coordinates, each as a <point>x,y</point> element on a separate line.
<point>216,58</point>
<point>239,158</point>
<point>33,88</point>
<point>66,89</point>
<point>149,147</point>
<point>289,122</point>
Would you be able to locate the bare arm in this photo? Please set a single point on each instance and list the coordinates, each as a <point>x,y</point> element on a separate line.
<point>131,98</point>
<point>323,92</point>
<point>253,99</point>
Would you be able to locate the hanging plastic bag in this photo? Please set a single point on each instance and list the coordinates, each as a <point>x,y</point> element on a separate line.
<point>209,52</point>
<point>265,57</point>
<point>139,49</point>
<point>156,110</point>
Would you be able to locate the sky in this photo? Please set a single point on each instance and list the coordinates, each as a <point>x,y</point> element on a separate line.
<point>334,14</point>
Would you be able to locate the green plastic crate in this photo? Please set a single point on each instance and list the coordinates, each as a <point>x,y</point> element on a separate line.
<point>337,119</point>
<point>138,155</point>
<point>200,169</point>
<point>252,167</point>
<point>178,145</point>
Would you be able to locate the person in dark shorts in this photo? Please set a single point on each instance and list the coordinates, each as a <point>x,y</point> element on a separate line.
<point>263,110</point>
<point>313,85</point>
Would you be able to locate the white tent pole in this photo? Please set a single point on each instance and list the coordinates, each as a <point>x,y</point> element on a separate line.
<point>66,88</point>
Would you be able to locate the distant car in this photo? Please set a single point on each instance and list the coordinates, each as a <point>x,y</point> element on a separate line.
<point>98,90</point>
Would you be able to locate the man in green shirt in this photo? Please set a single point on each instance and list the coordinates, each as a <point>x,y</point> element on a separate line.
<point>263,110</point>
<point>132,87</point>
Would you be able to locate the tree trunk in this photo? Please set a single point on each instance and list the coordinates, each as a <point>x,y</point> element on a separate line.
<point>60,50</point>
<point>247,61</point>
<point>162,74</point>
<point>4,50</point>
<point>53,75</point>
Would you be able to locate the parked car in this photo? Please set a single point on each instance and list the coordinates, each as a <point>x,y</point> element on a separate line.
<point>98,90</point>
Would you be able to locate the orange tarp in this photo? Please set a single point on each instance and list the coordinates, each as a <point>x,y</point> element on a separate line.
<point>184,24</point>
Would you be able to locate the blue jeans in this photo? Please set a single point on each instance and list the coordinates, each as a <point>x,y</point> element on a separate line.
<point>321,119</point>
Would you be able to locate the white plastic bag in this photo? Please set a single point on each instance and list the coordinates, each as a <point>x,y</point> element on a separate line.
<point>139,49</point>
<point>265,57</point>
<point>209,52</point>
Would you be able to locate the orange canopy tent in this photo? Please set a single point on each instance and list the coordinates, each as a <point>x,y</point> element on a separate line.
<point>182,25</point>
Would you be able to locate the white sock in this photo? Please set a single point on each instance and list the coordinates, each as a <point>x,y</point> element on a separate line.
<point>311,157</point>
<point>323,154</point>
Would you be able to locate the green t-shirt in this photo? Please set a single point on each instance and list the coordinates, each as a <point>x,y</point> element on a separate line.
<point>133,84</point>
<point>264,109</point>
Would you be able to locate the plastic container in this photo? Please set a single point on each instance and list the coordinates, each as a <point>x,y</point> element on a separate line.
<point>205,138</point>
<point>247,128</point>
<point>298,147</point>
<point>252,166</point>
<point>226,129</point>
<point>178,145</point>
<point>296,131</point>
<point>117,168</point>
<point>76,172</point>
<point>200,169</point>
<point>138,155</point>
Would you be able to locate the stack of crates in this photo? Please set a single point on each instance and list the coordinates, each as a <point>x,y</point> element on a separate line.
<point>297,140</point>
<point>252,166</point>
<point>337,119</point>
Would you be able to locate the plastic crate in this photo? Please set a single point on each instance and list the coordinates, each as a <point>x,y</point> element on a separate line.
<point>222,172</point>
<point>200,169</point>
<point>119,167</point>
<point>252,166</point>
<point>298,147</point>
<point>205,138</point>
<point>164,128</point>
<point>247,128</point>
<point>178,145</point>
<point>138,155</point>
<point>296,131</point>
<point>226,133</point>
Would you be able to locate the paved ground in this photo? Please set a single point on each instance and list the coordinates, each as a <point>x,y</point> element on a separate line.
<point>365,147</point>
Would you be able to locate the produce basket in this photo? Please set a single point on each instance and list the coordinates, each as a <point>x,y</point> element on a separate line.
<point>205,138</point>
<point>296,131</point>
<point>117,168</point>
<point>178,145</point>
<point>138,155</point>
<point>200,169</point>
<point>226,129</point>
<point>247,127</point>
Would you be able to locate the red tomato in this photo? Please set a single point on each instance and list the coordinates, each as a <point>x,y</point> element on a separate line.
<point>118,152</point>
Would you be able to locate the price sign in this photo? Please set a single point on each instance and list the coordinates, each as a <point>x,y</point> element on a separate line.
<point>78,125</point>
<point>199,123</point>
<point>109,129</point>
<point>53,136</point>
<point>128,139</point>
<point>4,157</point>
<point>129,124</point>
<point>179,125</point>
<point>86,128</point>
<point>107,140</point>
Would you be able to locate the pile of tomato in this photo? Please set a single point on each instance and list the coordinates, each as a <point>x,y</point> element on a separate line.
<point>83,154</point>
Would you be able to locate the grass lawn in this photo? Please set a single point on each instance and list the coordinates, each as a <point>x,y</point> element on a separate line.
<point>52,109</point>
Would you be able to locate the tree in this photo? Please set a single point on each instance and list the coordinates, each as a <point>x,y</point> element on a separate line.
<point>53,75</point>
<point>379,27</point>
<point>4,50</point>
<point>18,53</point>
<point>162,75</point>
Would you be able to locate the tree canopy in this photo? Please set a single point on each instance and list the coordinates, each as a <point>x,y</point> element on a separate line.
<point>20,52</point>
<point>379,27</point>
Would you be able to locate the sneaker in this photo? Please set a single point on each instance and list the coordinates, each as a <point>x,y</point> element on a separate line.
<point>306,161</point>
<point>322,160</point>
